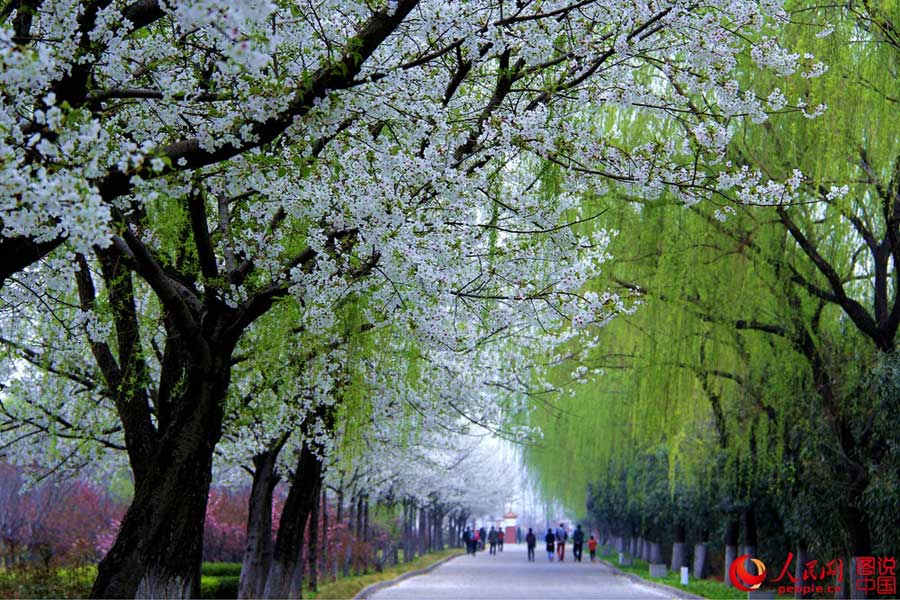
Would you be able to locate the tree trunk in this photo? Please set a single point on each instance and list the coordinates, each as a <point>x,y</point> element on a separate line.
<point>751,542</point>
<point>286,571</point>
<point>313,551</point>
<point>802,558</point>
<point>366,520</point>
<point>700,551</point>
<point>159,548</point>
<point>323,554</point>
<point>731,539</point>
<point>700,560</point>
<point>258,552</point>
<point>348,547</point>
<point>860,544</point>
<point>422,532</point>
<point>679,550</point>
<point>655,553</point>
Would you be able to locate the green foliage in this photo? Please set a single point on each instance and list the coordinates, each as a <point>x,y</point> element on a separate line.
<point>225,586</point>
<point>33,582</point>
<point>221,569</point>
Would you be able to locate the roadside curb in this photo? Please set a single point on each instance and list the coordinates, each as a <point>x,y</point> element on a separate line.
<point>370,589</point>
<point>677,593</point>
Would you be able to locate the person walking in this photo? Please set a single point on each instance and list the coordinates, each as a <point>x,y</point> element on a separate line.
<point>482,536</point>
<point>492,540</point>
<point>592,548</point>
<point>577,543</point>
<point>550,538</point>
<point>561,536</point>
<point>531,542</point>
<point>476,541</point>
<point>467,539</point>
<point>500,538</point>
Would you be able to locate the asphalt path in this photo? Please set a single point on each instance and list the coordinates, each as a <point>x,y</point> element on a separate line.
<point>510,575</point>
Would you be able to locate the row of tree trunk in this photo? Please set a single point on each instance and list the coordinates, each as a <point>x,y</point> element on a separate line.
<point>644,545</point>
<point>307,537</point>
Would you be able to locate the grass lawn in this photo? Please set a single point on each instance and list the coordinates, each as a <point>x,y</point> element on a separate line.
<point>218,580</point>
<point>708,588</point>
<point>47,583</point>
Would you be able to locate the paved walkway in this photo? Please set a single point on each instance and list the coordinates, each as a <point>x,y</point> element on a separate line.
<point>510,575</point>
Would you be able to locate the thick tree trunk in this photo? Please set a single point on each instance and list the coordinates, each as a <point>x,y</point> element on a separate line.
<point>679,549</point>
<point>799,568</point>
<point>732,529</point>
<point>159,548</point>
<point>655,553</point>
<point>860,544</point>
<point>700,551</point>
<point>751,542</point>
<point>286,571</point>
<point>258,552</point>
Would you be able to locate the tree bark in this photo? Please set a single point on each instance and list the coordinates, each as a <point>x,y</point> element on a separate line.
<point>258,552</point>
<point>422,532</point>
<point>158,550</point>
<point>751,542</point>
<point>323,554</point>
<point>655,553</point>
<point>313,551</point>
<point>286,572</point>
<point>731,540</point>
<point>679,550</point>
<point>860,544</point>
<point>802,558</point>
<point>366,519</point>
<point>700,551</point>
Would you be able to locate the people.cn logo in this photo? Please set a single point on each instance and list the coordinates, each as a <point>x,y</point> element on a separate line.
<point>743,579</point>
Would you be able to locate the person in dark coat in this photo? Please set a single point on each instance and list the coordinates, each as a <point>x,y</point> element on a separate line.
<point>577,543</point>
<point>482,536</point>
<point>551,543</point>
<point>467,538</point>
<point>492,540</point>
<point>531,542</point>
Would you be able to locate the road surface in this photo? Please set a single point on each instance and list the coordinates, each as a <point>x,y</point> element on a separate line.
<point>510,575</point>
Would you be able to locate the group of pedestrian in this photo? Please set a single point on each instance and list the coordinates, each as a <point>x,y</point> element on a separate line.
<point>475,539</point>
<point>556,543</point>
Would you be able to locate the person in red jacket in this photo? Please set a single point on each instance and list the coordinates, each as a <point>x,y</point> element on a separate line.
<point>592,548</point>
